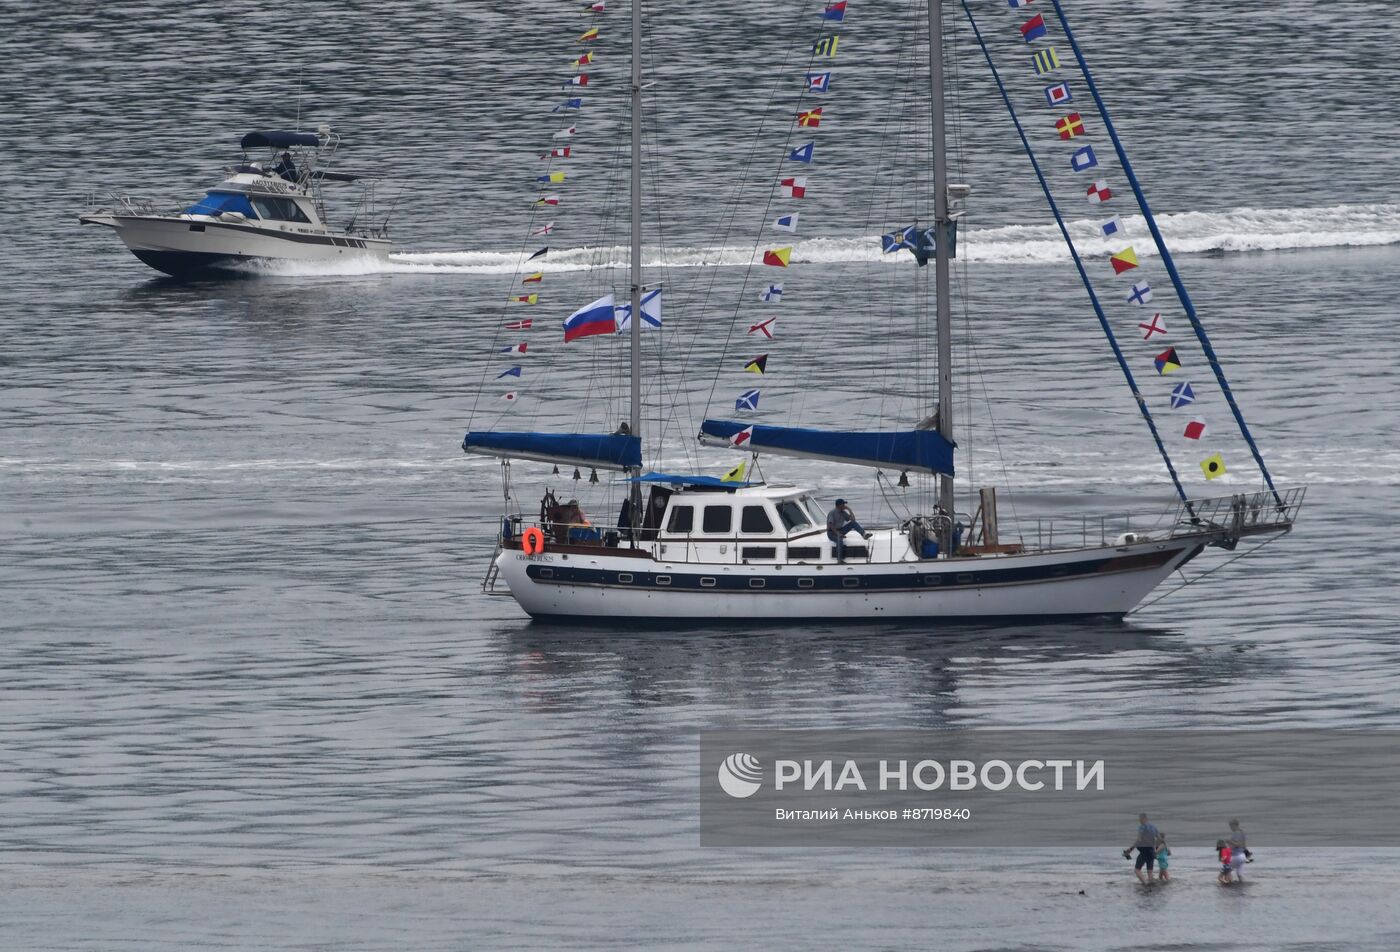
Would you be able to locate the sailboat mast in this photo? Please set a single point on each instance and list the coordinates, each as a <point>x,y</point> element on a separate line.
<point>636,228</point>
<point>942,229</point>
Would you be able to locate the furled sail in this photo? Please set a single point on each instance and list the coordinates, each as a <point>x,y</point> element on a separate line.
<point>600,450</point>
<point>922,450</point>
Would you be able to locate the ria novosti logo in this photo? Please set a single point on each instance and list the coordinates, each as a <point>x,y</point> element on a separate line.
<point>740,775</point>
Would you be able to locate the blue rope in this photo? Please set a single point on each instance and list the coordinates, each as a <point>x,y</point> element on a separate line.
<point>1166,255</point>
<point>1079,263</point>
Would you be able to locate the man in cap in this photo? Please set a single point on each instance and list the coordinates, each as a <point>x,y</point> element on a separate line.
<point>840,521</point>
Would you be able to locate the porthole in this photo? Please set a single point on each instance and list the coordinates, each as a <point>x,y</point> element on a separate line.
<point>546,573</point>
<point>624,578</point>
<point>707,582</point>
<point>757,583</point>
<point>806,582</point>
<point>850,582</point>
<point>663,580</point>
<point>965,578</point>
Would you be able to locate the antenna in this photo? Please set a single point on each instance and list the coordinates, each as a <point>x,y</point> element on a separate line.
<point>299,72</point>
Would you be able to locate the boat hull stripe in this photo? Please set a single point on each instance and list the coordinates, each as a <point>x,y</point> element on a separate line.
<point>839,581</point>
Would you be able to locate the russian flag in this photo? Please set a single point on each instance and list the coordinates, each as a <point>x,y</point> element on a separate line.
<point>596,318</point>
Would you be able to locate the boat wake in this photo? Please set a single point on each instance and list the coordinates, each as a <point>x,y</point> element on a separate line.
<point>1225,232</point>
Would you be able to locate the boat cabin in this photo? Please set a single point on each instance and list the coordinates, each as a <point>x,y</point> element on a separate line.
<point>258,196</point>
<point>747,524</point>
<point>279,190</point>
<point>717,522</point>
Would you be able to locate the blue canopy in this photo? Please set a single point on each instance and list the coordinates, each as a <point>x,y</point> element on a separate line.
<point>216,203</point>
<point>683,480</point>
<point>905,449</point>
<point>279,139</point>
<point>607,450</point>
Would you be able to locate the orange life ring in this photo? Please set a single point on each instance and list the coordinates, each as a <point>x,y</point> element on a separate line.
<point>533,541</point>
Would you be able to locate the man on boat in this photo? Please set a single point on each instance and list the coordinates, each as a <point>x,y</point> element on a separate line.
<point>286,167</point>
<point>840,521</point>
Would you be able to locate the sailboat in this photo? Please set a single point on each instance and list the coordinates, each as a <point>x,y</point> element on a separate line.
<point>702,547</point>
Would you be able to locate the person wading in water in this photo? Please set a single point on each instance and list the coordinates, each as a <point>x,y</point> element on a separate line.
<point>1146,846</point>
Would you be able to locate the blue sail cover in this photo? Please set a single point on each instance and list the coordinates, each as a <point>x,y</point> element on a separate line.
<point>681,479</point>
<point>579,449</point>
<point>905,449</point>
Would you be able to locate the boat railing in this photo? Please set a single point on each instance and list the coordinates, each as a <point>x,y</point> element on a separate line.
<point>1223,519</point>
<point>1242,514</point>
<point>123,202</point>
<point>1227,517</point>
<point>368,230</point>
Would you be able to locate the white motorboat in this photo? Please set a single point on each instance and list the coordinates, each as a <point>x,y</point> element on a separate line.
<point>268,209</point>
<point>706,548</point>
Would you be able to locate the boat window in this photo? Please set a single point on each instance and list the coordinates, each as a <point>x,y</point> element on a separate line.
<point>818,513</point>
<point>276,208</point>
<point>718,519</point>
<point>682,519</point>
<point>792,515</point>
<point>755,519</point>
<point>216,203</point>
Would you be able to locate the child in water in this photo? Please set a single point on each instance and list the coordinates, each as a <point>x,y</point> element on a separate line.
<point>1223,851</point>
<point>1163,852</point>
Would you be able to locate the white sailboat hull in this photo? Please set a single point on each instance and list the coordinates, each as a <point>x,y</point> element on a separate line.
<point>1108,580</point>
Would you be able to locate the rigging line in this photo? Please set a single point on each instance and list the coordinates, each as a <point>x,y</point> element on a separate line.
<point>728,218</point>
<point>501,320</point>
<point>896,378</point>
<point>1212,571</point>
<point>602,274</point>
<point>718,242</point>
<point>605,356</point>
<point>521,262</point>
<point>991,414</point>
<point>681,292</point>
<point>1161,244</point>
<point>505,309</point>
<point>593,268</point>
<point>897,108</point>
<point>882,481</point>
<point>767,209</point>
<point>662,335</point>
<point>1079,264</point>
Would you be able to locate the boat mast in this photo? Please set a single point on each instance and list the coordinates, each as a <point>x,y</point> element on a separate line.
<point>635,496</point>
<point>942,230</point>
<point>636,335</point>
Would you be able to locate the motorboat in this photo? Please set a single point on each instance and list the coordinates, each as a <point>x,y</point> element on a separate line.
<point>269,207</point>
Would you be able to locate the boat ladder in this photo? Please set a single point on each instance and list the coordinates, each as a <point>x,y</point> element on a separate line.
<point>488,584</point>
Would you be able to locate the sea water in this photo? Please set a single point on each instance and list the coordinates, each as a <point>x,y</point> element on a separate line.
<point>253,696</point>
